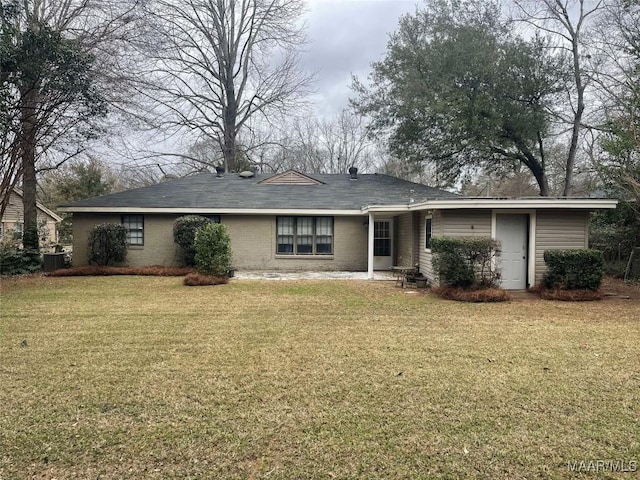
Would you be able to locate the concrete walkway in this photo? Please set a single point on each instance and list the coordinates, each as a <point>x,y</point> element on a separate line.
<point>252,275</point>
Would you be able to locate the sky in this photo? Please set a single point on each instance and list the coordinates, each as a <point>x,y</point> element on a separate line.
<point>345,36</point>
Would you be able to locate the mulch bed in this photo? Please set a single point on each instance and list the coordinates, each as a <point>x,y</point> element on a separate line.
<point>197,280</point>
<point>612,288</point>
<point>571,295</point>
<point>92,270</point>
<point>484,295</point>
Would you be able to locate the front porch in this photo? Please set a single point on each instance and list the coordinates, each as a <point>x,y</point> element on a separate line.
<point>393,239</point>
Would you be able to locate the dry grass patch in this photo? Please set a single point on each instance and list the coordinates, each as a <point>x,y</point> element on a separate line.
<point>139,377</point>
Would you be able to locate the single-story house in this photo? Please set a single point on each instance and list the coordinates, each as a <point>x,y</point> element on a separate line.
<point>13,219</point>
<point>355,222</point>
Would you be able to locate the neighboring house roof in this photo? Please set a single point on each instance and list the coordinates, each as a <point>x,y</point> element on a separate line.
<point>208,193</point>
<point>39,206</point>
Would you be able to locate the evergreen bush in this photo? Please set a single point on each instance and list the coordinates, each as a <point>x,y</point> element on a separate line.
<point>107,244</point>
<point>574,269</point>
<point>18,261</point>
<point>213,250</point>
<point>465,262</point>
<point>184,234</point>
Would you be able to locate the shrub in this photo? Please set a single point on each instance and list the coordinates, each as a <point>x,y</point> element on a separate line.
<point>574,269</point>
<point>107,244</point>
<point>184,234</point>
<point>18,261</point>
<point>466,262</point>
<point>213,250</point>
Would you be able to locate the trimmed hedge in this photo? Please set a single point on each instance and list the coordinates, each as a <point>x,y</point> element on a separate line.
<point>465,262</point>
<point>213,250</point>
<point>107,244</point>
<point>184,234</point>
<point>574,269</point>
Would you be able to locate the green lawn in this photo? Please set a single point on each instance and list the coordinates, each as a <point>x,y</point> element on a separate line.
<point>141,377</point>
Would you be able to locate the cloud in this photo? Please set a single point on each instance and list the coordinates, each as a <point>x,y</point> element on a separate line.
<point>345,37</point>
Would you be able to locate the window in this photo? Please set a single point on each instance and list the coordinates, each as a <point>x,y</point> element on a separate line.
<point>382,238</point>
<point>304,235</point>
<point>428,233</point>
<point>18,230</point>
<point>135,229</point>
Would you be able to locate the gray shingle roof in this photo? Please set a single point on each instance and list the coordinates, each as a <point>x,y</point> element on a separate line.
<point>337,192</point>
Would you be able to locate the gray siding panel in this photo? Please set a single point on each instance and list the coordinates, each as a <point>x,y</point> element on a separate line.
<point>415,220</point>
<point>425,255</point>
<point>559,229</point>
<point>466,223</point>
<point>405,240</point>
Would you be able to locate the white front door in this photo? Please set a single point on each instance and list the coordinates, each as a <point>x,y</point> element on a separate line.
<point>511,231</point>
<point>382,244</point>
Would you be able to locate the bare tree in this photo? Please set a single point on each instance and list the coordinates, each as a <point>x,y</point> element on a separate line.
<point>312,145</point>
<point>219,63</point>
<point>345,141</point>
<point>619,157</point>
<point>566,22</point>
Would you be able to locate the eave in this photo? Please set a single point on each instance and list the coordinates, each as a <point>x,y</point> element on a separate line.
<point>210,211</point>
<point>515,203</point>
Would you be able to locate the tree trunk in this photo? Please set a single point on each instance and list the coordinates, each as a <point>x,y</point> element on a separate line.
<point>577,119</point>
<point>28,153</point>
<point>529,160</point>
<point>541,178</point>
<point>230,114</point>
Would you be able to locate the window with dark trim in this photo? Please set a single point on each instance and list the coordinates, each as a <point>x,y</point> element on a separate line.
<point>135,229</point>
<point>304,235</point>
<point>428,224</point>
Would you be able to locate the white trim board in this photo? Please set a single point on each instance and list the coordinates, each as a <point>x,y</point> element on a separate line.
<point>221,211</point>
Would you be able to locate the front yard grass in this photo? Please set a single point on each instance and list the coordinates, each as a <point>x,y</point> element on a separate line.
<point>141,377</point>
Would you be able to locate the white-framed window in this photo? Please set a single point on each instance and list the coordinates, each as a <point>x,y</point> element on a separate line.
<point>304,235</point>
<point>382,238</point>
<point>135,228</point>
<point>428,232</point>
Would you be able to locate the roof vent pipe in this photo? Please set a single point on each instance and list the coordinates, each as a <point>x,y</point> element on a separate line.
<point>353,173</point>
<point>219,171</point>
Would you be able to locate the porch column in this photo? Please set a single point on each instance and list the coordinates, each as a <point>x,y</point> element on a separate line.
<point>370,248</point>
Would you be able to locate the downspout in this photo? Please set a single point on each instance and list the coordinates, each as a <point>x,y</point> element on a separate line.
<point>370,248</point>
